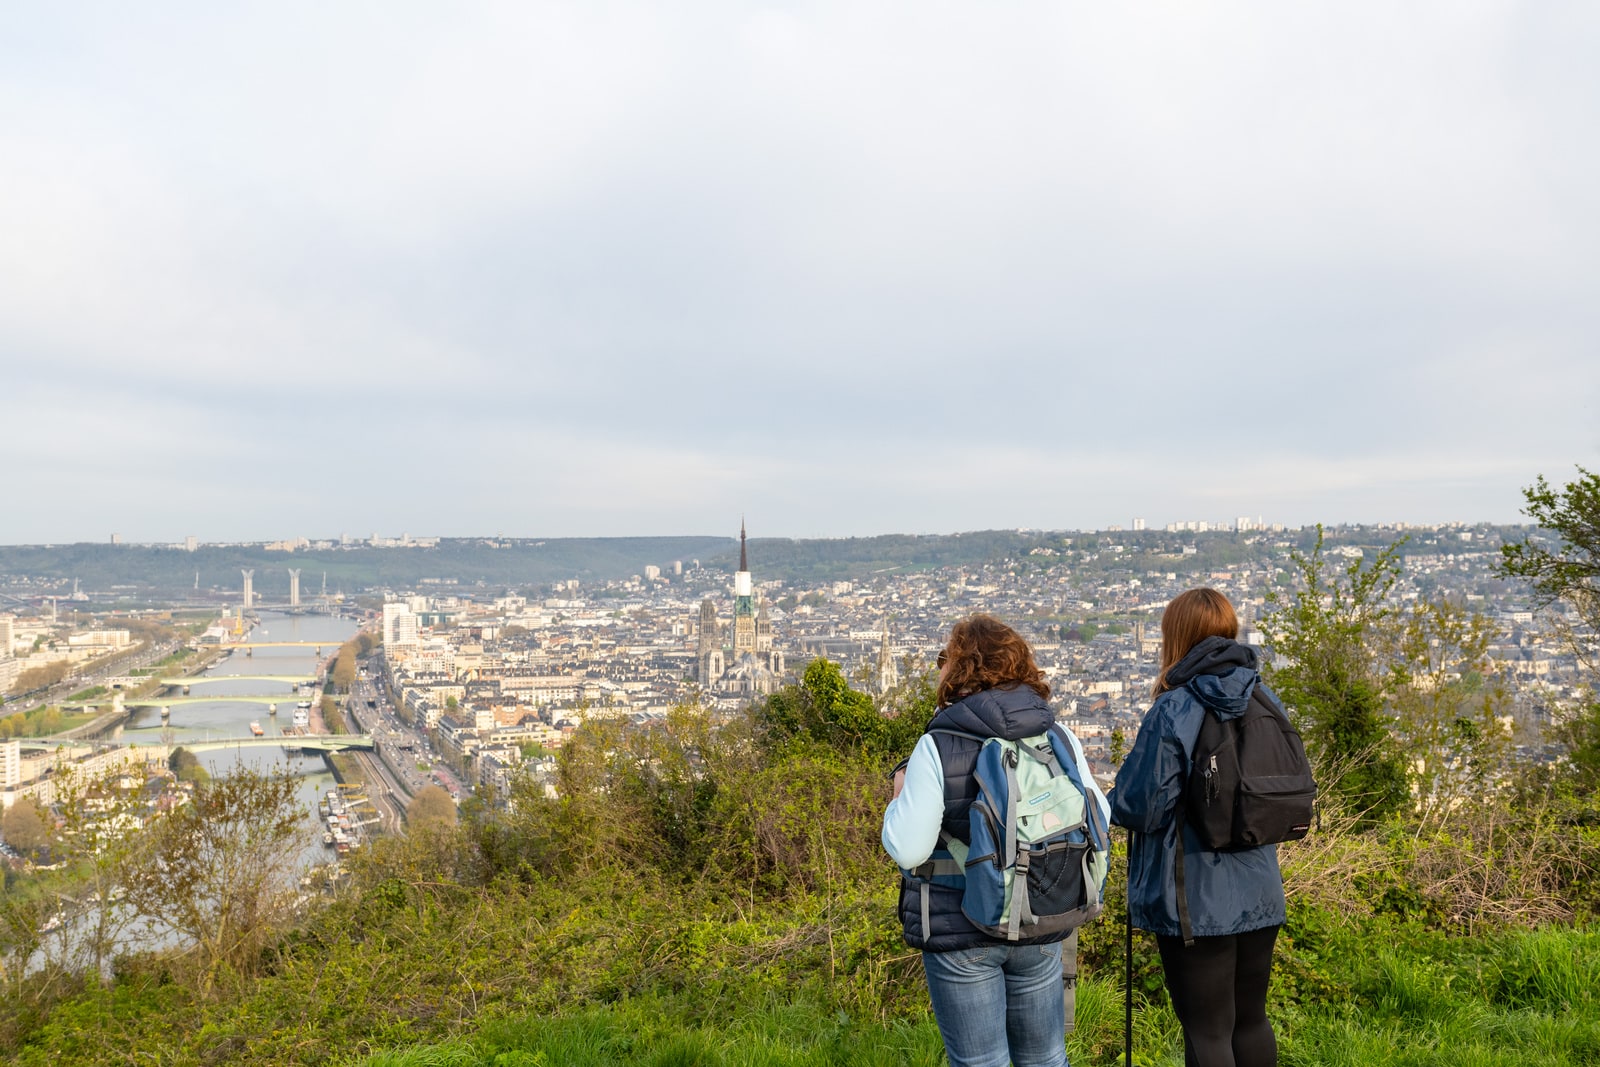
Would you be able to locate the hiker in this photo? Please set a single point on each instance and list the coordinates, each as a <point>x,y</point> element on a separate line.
<point>998,999</point>
<point>1234,898</point>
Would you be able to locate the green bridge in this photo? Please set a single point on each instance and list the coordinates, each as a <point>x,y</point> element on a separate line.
<point>277,644</point>
<point>203,679</point>
<point>168,702</point>
<point>323,742</point>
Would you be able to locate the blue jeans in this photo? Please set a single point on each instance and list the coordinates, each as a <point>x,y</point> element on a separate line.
<point>999,1004</point>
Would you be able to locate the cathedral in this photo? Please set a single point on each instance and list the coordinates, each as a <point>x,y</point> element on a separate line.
<point>751,667</point>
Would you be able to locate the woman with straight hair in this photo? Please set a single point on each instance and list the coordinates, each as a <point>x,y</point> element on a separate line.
<point>1218,983</point>
<point>996,1001</point>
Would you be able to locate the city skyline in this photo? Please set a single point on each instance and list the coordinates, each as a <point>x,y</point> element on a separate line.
<point>611,270</point>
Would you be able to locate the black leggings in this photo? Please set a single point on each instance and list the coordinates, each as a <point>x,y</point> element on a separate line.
<point>1219,991</point>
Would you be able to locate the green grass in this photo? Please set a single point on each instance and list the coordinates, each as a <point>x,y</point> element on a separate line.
<point>655,1033</point>
<point>668,1032</point>
<point>1515,1000</point>
<point>87,694</point>
<point>1415,999</point>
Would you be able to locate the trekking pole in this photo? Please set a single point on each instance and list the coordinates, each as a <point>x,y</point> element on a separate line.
<point>1127,963</point>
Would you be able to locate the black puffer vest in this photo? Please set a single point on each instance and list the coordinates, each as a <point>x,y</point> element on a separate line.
<point>1008,713</point>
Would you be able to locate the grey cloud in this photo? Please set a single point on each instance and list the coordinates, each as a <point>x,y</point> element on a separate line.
<point>720,254</point>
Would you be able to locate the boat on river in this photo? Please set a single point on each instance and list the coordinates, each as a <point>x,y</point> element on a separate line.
<point>255,728</point>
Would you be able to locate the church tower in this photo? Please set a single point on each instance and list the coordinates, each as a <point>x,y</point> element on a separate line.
<point>887,675</point>
<point>708,644</point>
<point>744,604</point>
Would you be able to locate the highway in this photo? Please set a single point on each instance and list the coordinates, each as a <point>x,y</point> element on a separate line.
<point>397,752</point>
<point>97,672</point>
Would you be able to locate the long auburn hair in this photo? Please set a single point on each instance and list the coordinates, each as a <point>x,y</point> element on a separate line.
<point>985,653</point>
<point>1190,618</point>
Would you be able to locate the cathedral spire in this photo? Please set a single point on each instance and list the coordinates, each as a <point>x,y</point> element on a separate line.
<point>744,561</point>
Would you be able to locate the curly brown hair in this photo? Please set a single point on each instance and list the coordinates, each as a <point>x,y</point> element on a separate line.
<point>985,653</point>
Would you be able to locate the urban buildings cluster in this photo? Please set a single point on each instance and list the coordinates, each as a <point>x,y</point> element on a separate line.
<point>506,676</point>
<point>502,675</point>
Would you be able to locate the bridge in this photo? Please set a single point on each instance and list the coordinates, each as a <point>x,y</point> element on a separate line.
<point>280,644</point>
<point>323,742</point>
<point>167,702</point>
<point>201,679</point>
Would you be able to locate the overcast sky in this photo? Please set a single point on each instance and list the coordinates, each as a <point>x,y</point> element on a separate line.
<point>592,269</point>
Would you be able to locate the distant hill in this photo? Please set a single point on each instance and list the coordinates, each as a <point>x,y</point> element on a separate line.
<point>515,563</point>
<point>465,561</point>
<point>523,562</point>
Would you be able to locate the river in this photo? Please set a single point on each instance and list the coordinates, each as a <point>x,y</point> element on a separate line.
<point>220,718</point>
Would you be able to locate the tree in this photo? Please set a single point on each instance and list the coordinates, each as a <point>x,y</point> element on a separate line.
<point>1447,701</point>
<point>1324,641</point>
<point>23,826</point>
<point>823,708</point>
<point>1569,571</point>
<point>41,677</point>
<point>102,819</point>
<point>187,766</point>
<point>431,807</point>
<point>219,871</point>
<point>332,718</point>
<point>1118,748</point>
<point>344,668</point>
<point>47,722</point>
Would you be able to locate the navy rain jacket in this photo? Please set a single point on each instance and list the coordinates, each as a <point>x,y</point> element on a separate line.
<point>1229,892</point>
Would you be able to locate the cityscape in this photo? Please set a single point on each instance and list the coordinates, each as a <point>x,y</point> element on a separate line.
<point>475,685</point>
<point>505,504</point>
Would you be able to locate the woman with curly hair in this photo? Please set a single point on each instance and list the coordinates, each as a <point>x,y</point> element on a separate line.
<point>996,1001</point>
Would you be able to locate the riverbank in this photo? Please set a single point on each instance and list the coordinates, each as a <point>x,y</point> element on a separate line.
<point>194,662</point>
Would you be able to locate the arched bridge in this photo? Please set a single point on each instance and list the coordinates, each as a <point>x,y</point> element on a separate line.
<point>202,679</point>
<point>167,702</point>
<point>325,742</point>
<point>281,644</point>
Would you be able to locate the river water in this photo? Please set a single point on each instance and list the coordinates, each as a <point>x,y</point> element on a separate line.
<point>190,723</point>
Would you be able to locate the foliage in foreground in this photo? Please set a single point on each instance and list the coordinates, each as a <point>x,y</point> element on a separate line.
<point>702,892</point>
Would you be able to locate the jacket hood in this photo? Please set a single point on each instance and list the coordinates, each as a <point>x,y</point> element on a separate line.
<point>1220,673</point>
<point>1009,713</point>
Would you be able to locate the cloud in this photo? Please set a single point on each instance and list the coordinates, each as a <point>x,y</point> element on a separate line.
<point>667,258</point>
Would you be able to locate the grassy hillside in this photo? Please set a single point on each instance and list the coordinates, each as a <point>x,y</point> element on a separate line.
<point>714,894</point>
<point>1521,998</point>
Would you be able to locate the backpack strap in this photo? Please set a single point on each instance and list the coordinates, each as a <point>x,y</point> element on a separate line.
<point>1098,828</point>
<point>1019,862</point>
<point>1180,816</point>
<point>926,871</point>
<point>1183,896</point>
<point>957,733</point>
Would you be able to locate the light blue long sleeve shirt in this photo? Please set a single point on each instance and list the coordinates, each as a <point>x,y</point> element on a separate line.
<point>912,819</point>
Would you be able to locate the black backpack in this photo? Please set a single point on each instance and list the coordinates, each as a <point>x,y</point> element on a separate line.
<point>1251,785</point>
